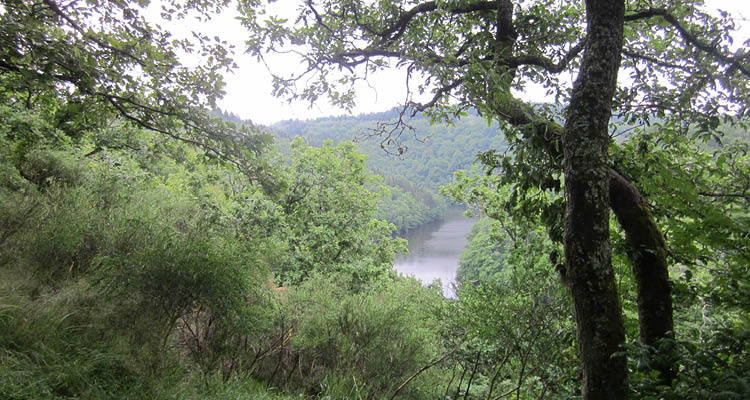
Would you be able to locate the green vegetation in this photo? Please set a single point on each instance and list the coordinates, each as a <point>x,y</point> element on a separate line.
<point>485,255</point>
<point>162,274</point>
<point>695,191</point>
<point>361,344</point>
<point>153,248</point>
<point>642,63</point>
<point>425,159</point>
<point>430,152</point>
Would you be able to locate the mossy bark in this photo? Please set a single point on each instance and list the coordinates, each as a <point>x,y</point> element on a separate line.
<point>646,247</point>
<point>648,251</point>
<point>648,254</point>
<point>601,331</point>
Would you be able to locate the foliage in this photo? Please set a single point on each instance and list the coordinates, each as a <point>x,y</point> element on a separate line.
<point>699,197</point>
<point>136,265</point>
<point>407,206</point>
<point>697,194</point>
<point>427,158</point>
<point>330,217</point>
<point>715,368</point>
<point>360,344</point>
<point>512,305</point>
<point>430,153</point>
<point>139,234</point>
<point>485,255</point>
<point>520,337</point>
<point>161,278</point>
<point>47,350</point>
<point>171,258</point>
<point>475,54</point>
<point>454,47</point>
<point>71,69</point>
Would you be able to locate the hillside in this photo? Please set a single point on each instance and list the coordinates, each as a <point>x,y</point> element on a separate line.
<point>432,153</point>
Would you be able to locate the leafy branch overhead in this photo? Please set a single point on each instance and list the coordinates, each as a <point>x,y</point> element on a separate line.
<point>456,49</point>
<point>110,58</point>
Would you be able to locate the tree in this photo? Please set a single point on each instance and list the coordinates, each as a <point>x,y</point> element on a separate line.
<point>477,53</point>
<point>330,217</point>
<point>588,267</point>
<point>82,63</point>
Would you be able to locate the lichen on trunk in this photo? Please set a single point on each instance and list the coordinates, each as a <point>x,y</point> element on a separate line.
<point>601,331</point>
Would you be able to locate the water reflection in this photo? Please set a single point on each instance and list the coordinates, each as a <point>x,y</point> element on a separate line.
<point>434,250</point>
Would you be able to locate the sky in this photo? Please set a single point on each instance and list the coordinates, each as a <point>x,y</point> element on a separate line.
<point>249,86</point>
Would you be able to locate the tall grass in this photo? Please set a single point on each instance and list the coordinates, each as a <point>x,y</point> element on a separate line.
<point>51,348</point>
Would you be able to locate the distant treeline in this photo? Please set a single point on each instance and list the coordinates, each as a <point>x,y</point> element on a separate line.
<point>431,154</point>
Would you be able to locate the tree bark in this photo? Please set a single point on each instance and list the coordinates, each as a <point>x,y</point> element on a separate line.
<point>648,254</point>
<point>601,331</point>
<point>647,250</point>
<point>646,247</point>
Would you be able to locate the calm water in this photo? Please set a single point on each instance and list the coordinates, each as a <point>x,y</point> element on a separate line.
<point>434,249</point>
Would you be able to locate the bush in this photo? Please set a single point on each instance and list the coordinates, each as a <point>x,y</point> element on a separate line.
<point>67,234</point>
<point>44,167</point>
<point>357,344</point>
<point>718,368</point>
<point>167,272</point>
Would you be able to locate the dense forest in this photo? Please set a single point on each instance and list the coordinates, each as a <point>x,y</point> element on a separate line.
<point>155,247</point>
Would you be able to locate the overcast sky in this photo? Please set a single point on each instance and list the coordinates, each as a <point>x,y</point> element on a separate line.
<point>249,87</point>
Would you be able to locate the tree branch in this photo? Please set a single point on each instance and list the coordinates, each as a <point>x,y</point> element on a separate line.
<point>399,27</point>
<point>545,63</point>
<point>734,195</point>
<point>513,62</point>
<point>52,6</point>
<point>442,91</point>
<point>733,62</point>
<point>655,61</point>
<point>426,367</point>
<point>144,123</point>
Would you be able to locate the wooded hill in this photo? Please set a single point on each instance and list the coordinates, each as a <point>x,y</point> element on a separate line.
<point>430,154</point>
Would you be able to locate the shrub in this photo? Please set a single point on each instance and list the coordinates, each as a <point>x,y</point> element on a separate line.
<point>357,344</point>
<point>165,271</point>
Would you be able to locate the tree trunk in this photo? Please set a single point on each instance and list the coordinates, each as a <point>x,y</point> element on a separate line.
<point>647,248</point>
<point>648,255</point>
<point>601,331</point>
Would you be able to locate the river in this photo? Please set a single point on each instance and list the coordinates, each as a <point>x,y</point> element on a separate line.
<point>435,248</point>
